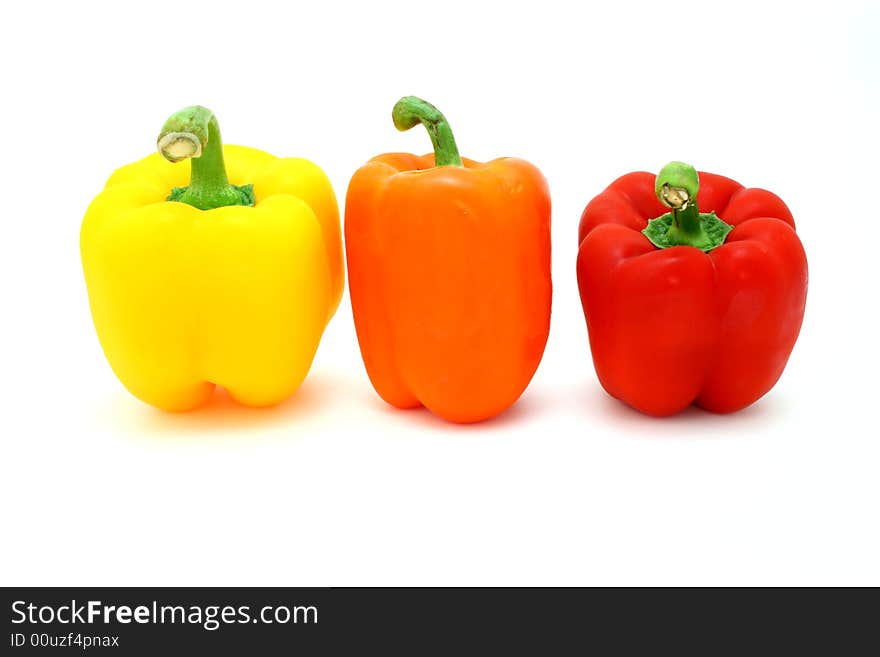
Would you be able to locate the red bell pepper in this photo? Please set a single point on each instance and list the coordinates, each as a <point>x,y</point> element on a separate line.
<point>689,307</point>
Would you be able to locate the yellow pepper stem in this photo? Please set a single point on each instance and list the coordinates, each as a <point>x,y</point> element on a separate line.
<point>194,133</point>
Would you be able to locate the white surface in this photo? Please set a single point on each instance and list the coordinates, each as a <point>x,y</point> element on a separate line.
<point>335,487</point>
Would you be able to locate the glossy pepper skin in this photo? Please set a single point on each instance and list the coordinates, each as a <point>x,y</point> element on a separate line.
<point>449,275</point>
<point>674,326</point>
<point>185,299</point>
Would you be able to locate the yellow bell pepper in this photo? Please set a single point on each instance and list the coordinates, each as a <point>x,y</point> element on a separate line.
<point>214,284</point>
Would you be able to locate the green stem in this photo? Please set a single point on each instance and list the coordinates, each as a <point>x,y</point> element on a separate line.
<point>410,111</point>
<point>193,133</point>
<point>687,229</point>
<point>676,186</point>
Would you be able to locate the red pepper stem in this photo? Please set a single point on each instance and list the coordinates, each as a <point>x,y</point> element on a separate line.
<point>677,186</point>
<point>686,227</point>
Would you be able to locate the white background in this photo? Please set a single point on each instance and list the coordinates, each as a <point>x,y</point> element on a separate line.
<point>334,487</point>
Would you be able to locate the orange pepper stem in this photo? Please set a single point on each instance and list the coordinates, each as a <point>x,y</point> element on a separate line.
<point>410,111</point>
<point>194,133</point>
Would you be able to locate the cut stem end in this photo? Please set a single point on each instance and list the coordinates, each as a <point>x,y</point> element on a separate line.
<point>178,146</point>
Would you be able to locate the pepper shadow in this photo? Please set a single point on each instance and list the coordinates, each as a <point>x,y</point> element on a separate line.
<point>421,419</point>
<point>692,423</point>
<point>222,414</point>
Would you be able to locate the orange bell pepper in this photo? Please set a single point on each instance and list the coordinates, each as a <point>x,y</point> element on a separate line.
<point>449,270</point>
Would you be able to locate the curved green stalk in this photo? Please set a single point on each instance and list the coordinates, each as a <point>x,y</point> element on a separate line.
<point>193,133</point>
<point>677,186</point>
<point>410,111</point>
